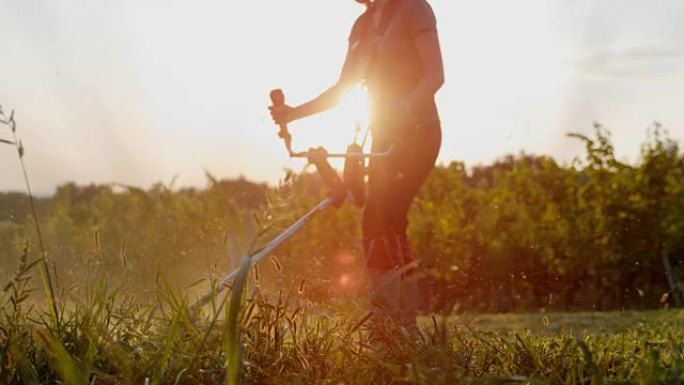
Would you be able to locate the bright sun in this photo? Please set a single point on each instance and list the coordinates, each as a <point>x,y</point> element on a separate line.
<point>334,129</point>
<point>354,104</point>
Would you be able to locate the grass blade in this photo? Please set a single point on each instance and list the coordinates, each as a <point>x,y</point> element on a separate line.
<point>232,328</point>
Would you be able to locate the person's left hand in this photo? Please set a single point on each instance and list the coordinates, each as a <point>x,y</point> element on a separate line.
<point>281,114</point>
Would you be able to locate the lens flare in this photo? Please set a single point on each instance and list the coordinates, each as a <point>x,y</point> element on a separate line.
<point>345,258</point>
<point>345,282</point>
<point>355,105</point>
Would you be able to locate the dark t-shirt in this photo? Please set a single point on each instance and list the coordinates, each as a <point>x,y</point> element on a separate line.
<point>386,57</point>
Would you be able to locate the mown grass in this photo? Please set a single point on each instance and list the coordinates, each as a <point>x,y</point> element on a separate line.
<point>104,337</point>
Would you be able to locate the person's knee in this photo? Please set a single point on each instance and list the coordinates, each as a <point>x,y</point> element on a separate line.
<point>386,248</point>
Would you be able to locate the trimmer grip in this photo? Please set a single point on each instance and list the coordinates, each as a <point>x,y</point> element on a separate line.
<point>277,97</point>
<point>354,172</point>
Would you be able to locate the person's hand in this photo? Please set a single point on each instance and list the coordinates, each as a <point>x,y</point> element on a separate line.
<point>317,156</point>
<point>281,114</point>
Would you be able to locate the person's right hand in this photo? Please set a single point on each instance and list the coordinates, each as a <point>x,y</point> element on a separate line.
<point>281,114</point>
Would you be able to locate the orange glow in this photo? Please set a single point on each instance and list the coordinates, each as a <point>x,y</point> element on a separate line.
<point>345,282</point>
<point>345,258</point>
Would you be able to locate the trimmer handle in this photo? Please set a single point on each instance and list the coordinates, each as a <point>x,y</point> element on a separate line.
<point>278,99</point>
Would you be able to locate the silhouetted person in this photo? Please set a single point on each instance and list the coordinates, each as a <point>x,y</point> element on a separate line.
<point>394,50</point>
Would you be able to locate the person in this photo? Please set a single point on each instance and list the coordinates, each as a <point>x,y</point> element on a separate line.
<point>394,51</point>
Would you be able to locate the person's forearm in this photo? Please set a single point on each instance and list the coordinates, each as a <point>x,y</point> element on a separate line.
<point>323,102</point>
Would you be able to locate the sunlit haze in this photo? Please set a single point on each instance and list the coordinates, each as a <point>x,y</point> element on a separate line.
<point>138,92</point>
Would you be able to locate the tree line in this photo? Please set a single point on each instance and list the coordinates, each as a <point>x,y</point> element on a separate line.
<point>522,233</point>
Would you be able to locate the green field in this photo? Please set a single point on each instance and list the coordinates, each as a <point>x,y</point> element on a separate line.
<point>107,339</point>
<point>553,324</point>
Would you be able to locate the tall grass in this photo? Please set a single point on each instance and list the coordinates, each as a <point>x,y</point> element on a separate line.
<point>99,334</point>
<point>43,268</point>
<point>107,338</point>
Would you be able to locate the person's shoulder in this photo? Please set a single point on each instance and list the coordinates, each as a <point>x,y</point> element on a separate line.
<point>362,17</point>
<point>360,26</point>
<point>412,5</point>
<point>419,15</point>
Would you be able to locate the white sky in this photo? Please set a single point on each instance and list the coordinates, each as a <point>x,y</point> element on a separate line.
<point>140,91</point>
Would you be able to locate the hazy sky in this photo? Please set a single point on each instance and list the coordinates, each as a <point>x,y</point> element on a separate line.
<point>140,91</point>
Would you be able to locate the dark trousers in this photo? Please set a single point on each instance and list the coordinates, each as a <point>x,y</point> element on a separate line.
<point>393,183</point>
